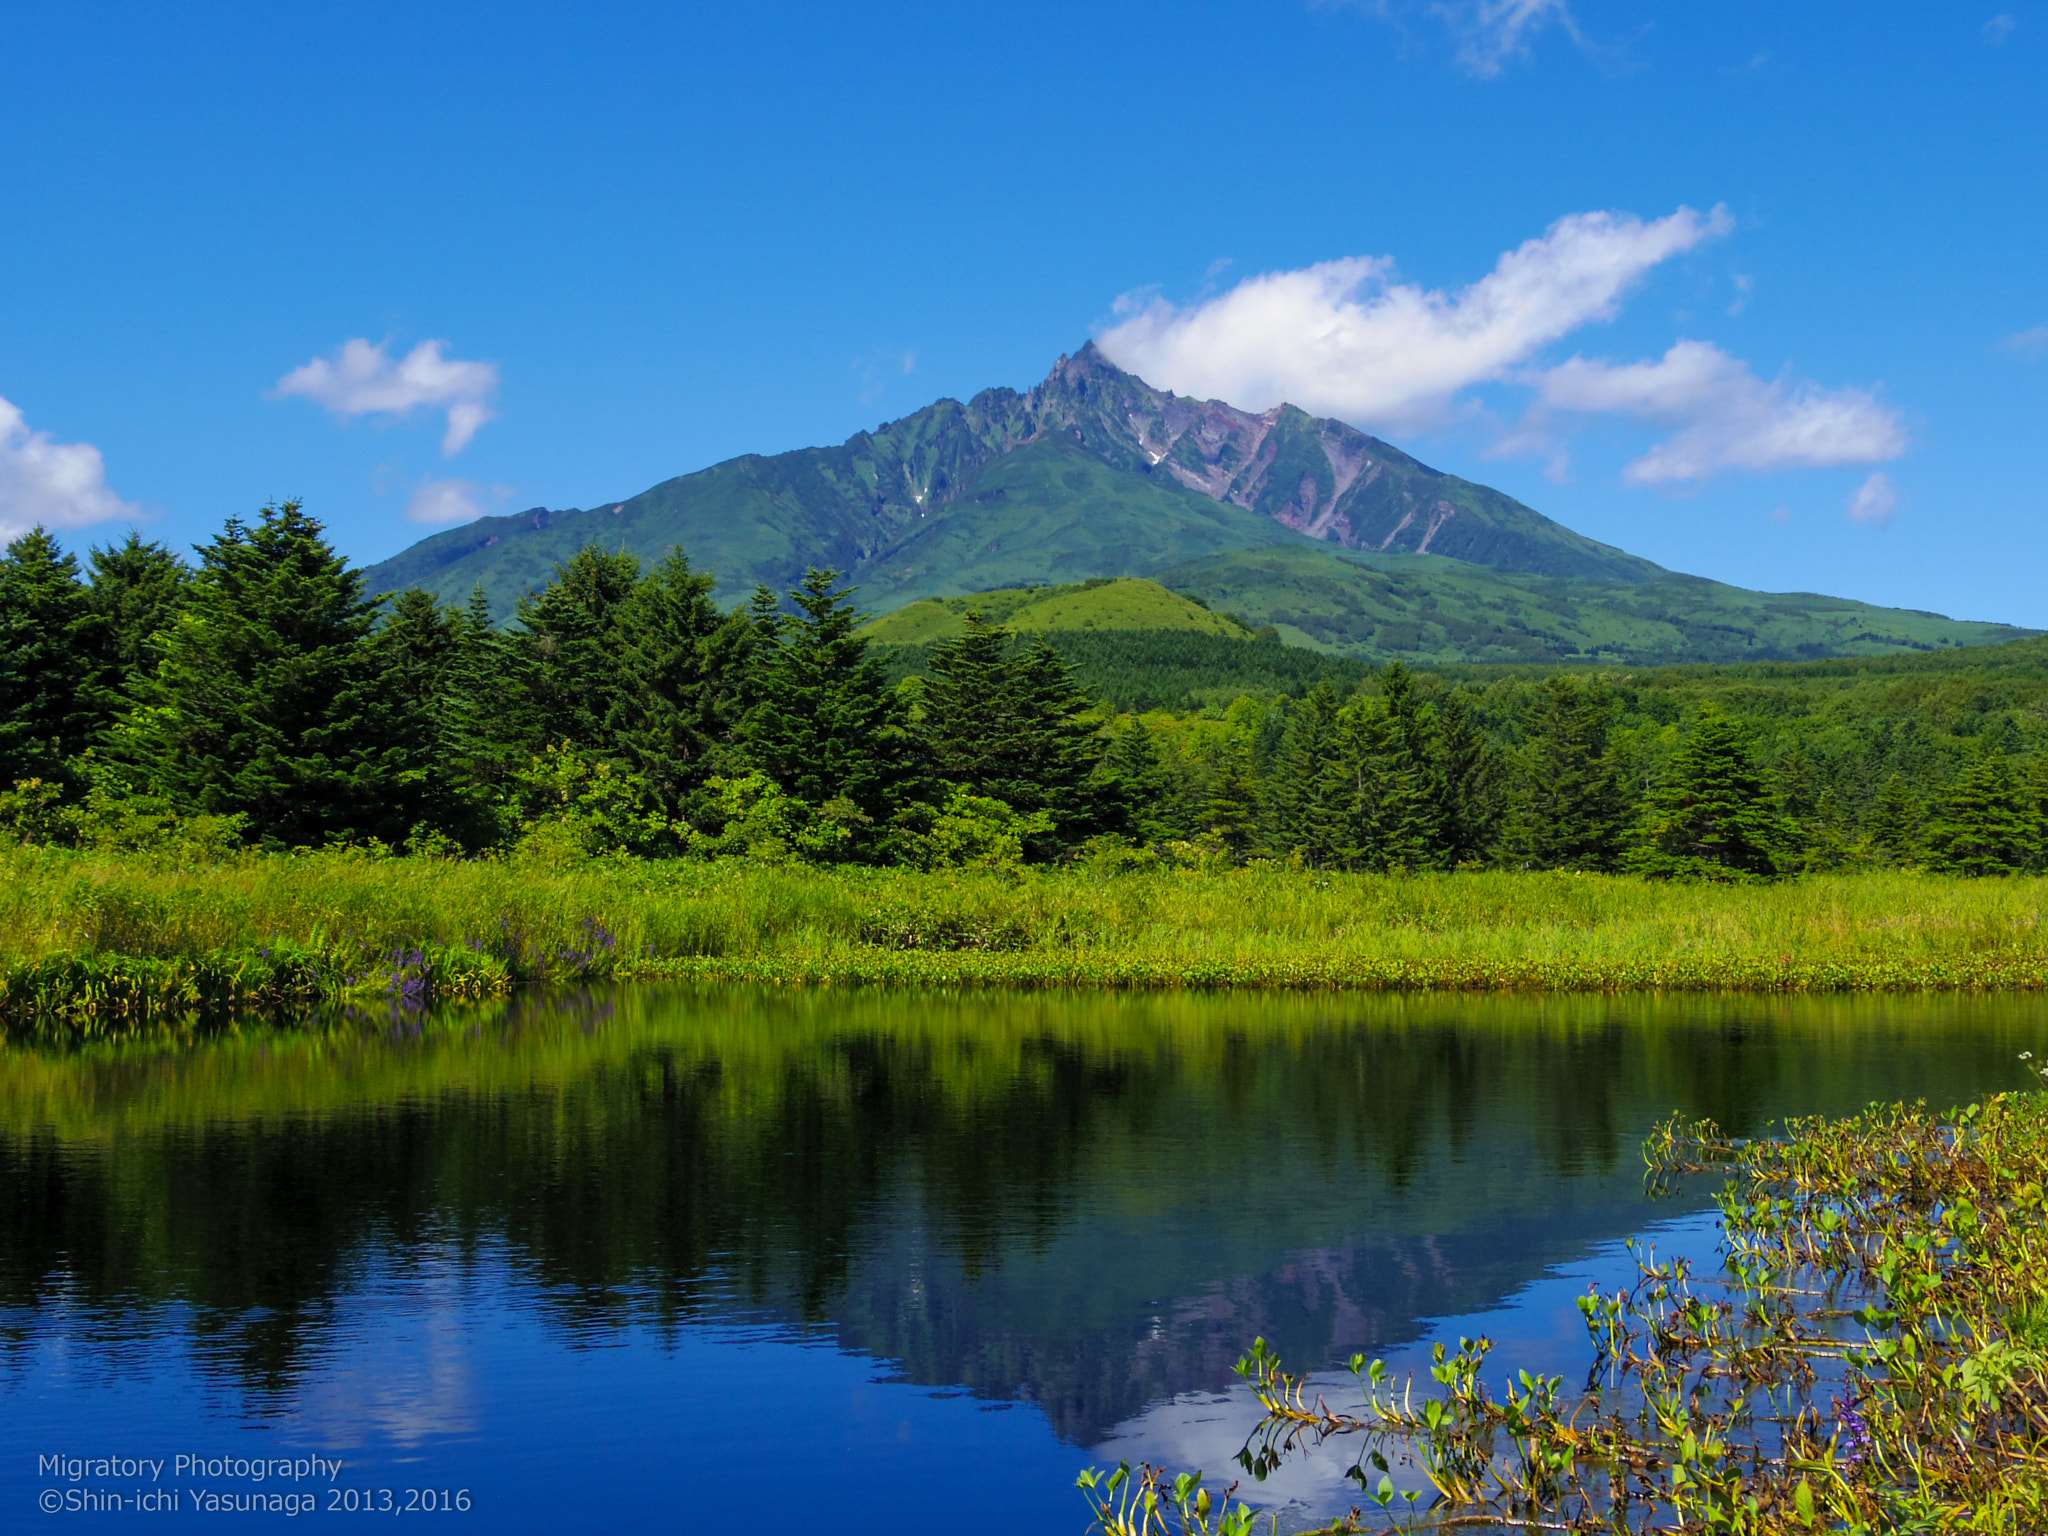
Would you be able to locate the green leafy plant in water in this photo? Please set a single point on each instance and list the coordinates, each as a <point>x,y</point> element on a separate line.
<point>1872,1359</point>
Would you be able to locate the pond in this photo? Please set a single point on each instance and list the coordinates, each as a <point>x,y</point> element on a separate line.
<point>742,1259</point>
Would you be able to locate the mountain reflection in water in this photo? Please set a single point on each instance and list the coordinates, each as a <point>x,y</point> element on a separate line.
<point>1085,1203</point>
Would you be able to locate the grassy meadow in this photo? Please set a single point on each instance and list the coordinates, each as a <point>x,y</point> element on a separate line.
<point>99,942</point>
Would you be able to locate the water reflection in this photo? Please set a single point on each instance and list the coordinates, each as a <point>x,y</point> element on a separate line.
<point>1086,1204</point>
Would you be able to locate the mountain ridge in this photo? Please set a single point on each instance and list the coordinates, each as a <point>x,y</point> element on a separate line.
<point>1092,472</point>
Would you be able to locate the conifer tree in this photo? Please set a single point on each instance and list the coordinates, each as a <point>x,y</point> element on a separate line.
<point>1570,808</point>
<point>1304,806</point>
<point>267,702</point>
<point>1140,785</point>
<point>487,728</point>
<point>665,725</point>
<point>135,593</point>
<point>828,728</point>
<point>1012,726</point>
<point>573,644</point>
<point>46,707</point>
<point>1713,814</point>
<point>1230,795</point>
<point>1982,824</point>
<point>1389,814</point>
<point>1892,832</point>
<point>1468,775</point>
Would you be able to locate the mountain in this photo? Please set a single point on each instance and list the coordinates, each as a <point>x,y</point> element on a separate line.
<point>1342,540</point>
<point>1090,473</point>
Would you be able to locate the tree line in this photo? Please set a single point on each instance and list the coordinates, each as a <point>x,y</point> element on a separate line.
<point>260,696</point>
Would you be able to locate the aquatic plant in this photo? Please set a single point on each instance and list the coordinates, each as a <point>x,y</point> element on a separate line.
<point>1874,1358</point>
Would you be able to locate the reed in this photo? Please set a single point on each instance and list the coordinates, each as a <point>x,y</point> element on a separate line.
<point>92,937</point>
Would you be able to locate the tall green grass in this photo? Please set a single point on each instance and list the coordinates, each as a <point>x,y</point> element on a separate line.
<point>92,937</point>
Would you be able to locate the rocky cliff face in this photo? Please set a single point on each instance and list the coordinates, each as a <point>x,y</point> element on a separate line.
<point>1318,476</point>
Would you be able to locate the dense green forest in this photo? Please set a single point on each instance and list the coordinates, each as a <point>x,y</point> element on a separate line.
<point>260,697</point>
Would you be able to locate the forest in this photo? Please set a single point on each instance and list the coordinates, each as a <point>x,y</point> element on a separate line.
<point>260,698</point>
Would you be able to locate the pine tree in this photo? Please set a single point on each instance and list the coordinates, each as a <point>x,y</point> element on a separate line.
<point>1138,783</point>
<point>1303,807</point>
<point>1012,726</point>
<point>1230,795</point>
<point>1982,824</point>
<point>1892,831</point>
<point>1389,815</point>
<point>574,647</point>
<point>828,727</point>
<point>489,730</point>
<point>136,592</point>
<point>267,702</point>
<point>1468,775</point>
<point>414,653</point>
<point>1570,807</point>
<point>1713,814</point>
<point>46,708</point>
<point>967,727</point>
<point>665,726</point>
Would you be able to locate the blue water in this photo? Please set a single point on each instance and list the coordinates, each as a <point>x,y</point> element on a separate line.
<point>741,1260</point>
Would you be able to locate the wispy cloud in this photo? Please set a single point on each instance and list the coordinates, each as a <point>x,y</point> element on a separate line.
<point>1875,502</point>
<point>1486,35</point>
<point>1999,28</point>
<point>1491,34</point>
<point>1342,338</point>
<point>453,501</point>
<point>1728,418</point>
<point>876,369</point>
<point>2029,344</point>
<point>363,380</point>
<point>59,485</point>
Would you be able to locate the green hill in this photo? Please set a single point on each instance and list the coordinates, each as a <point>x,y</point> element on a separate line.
<point>1104,603</point>
<point>1426,609</point>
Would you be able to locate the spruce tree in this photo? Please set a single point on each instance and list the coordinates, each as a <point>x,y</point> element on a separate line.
<point>267,702</point>
<point>1570,808</point>
<point>1139,785</point>
<point>1713,814</point>
<point>1230,795</point>
<point>1468,776</point>
<point>1982,824</point>
<point>46,704</point>
<point>828,728</point>
<point>573,645</point>
<point>665,725</point>
<point>1012,726</point>
<point>1892,831</point>
<point>136,591</point>
<point>1304,802</point>
<point>1389,815</point>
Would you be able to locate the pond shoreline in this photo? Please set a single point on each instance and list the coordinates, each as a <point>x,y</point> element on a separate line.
<point>92,943</point>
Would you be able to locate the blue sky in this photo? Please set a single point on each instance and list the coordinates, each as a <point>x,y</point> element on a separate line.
<point>1783,322</point>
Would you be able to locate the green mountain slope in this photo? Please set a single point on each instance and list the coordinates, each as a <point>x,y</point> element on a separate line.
<point>1423,608</point>
<point>1344,541</point>
<point>1104,603</point>
<point>1090,473</point>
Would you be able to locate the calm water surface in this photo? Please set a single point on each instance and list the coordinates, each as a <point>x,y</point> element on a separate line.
<point>737,1260</point>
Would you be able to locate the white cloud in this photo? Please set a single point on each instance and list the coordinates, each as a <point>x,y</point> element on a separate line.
<point>1492,33</point>
<point>2029,343</point>
<point>362,380</point>
<point>1999,28</point>
<point>452,501</point>
<point>1728,417</point>
<point>59,485</point>
<point>1874,502</point>
<point>1341,338</point>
